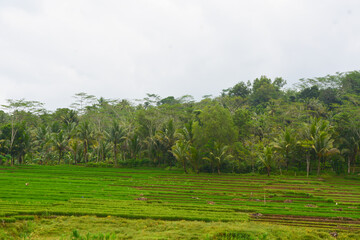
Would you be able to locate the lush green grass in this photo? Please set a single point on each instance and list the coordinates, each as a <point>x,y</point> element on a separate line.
<point>46,191</point>
<point>89,227</point>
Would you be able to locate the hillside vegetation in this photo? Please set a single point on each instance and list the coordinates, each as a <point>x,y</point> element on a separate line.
<point>257,126</point>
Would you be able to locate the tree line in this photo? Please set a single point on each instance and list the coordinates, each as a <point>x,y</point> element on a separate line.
<point>257,126</point>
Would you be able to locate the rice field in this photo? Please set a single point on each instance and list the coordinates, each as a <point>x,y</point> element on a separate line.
<point>29,192</point>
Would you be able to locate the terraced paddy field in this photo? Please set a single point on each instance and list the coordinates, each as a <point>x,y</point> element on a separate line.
<point>34,194</point>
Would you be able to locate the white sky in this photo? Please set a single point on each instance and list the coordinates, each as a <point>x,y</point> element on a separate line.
<point>52,49</point>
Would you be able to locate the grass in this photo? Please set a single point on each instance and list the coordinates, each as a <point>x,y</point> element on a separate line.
<point>90,227</point>
<point>49,193</point>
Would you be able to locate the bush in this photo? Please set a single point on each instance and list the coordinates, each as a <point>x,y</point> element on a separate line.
<point>99,164</point>
<point>144,162</point>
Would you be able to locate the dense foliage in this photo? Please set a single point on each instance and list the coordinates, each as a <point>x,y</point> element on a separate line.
<point>255,126</point>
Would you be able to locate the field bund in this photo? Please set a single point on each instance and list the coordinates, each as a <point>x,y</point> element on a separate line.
<point>28,192</point>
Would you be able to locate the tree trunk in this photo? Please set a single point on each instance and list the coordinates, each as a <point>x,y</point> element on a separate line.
<point>319,166</point>
<point>85,152</point>
<point>354,161</point>
<point>268,171</point>
<point>349,164</point>
<point>98,155</point>
<point>59,159</point>
<point>307,164</point>
<point>184,165</point>
<point>115,154</point>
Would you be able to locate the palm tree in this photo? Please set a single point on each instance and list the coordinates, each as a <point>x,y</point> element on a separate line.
<point>319,132</point>
<point>323,146</point>
<point>43,142</point>
<point>104,150</point>
<point>181,151</point>
<point>194,157</point>
<point>115,135</point>
<point>285,144</point>
<point>74,146</point>
<point>70,118</point>
<point>351,143</point>
<point>60,144</point>
<point>24,145</point>
<point>186,133</point>
<point>134,145</point>
<point>267,159</point>
<point>86,135</point>
<point>306,146</point>
<point>153,148</point>
<point>167,138</point>
<point>218,155</point>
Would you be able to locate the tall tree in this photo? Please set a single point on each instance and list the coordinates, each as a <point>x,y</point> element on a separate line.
<point>181,152</point>
<point>17,109</point>
<point>86,135</point>
<point>218,154</point>
<point>319,131</point>
<point>285,144</point>
<point>60,144</point>
<point>214,124</point>
<point>347,126</point>
<point>82,100</point>
<point>267,158</point>
<point>116,135</point>
<point>134,144</point>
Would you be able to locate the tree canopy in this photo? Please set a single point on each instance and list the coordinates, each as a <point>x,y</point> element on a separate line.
<point>252,126</point>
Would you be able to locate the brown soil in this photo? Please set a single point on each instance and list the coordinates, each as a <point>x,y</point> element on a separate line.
<point>142,199</point>
<point>290,188</point>
<point>310,218</point>
<point>311,205</point>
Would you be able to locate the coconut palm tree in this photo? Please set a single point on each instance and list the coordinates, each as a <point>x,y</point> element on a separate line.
<point>116,135</point>
<point>43,142</point>
<point>267,158</point>
<point>218,155</point>
<point>86,135</point>
<point>60,144</point>
<point>74,147</point>
<point>186,133</point>
<point>24,144</point>
<point>134,144</point>
<point>350,143</point>
<point>285,144</point>
<point>181,151</point>
<point>306,146</point>
<point>194,157</point>
<point>323,147</point>
<point>319,131</point>
<point>167,138</point>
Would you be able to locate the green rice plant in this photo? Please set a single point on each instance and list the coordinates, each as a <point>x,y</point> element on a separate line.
<point>7,220</point>
<point>75,234</point>
<point>83,191</point>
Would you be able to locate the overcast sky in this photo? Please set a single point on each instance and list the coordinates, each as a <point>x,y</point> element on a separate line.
<point>52,49</point>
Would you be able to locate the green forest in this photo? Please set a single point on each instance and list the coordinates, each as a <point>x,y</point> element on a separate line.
<point>257,126</point>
